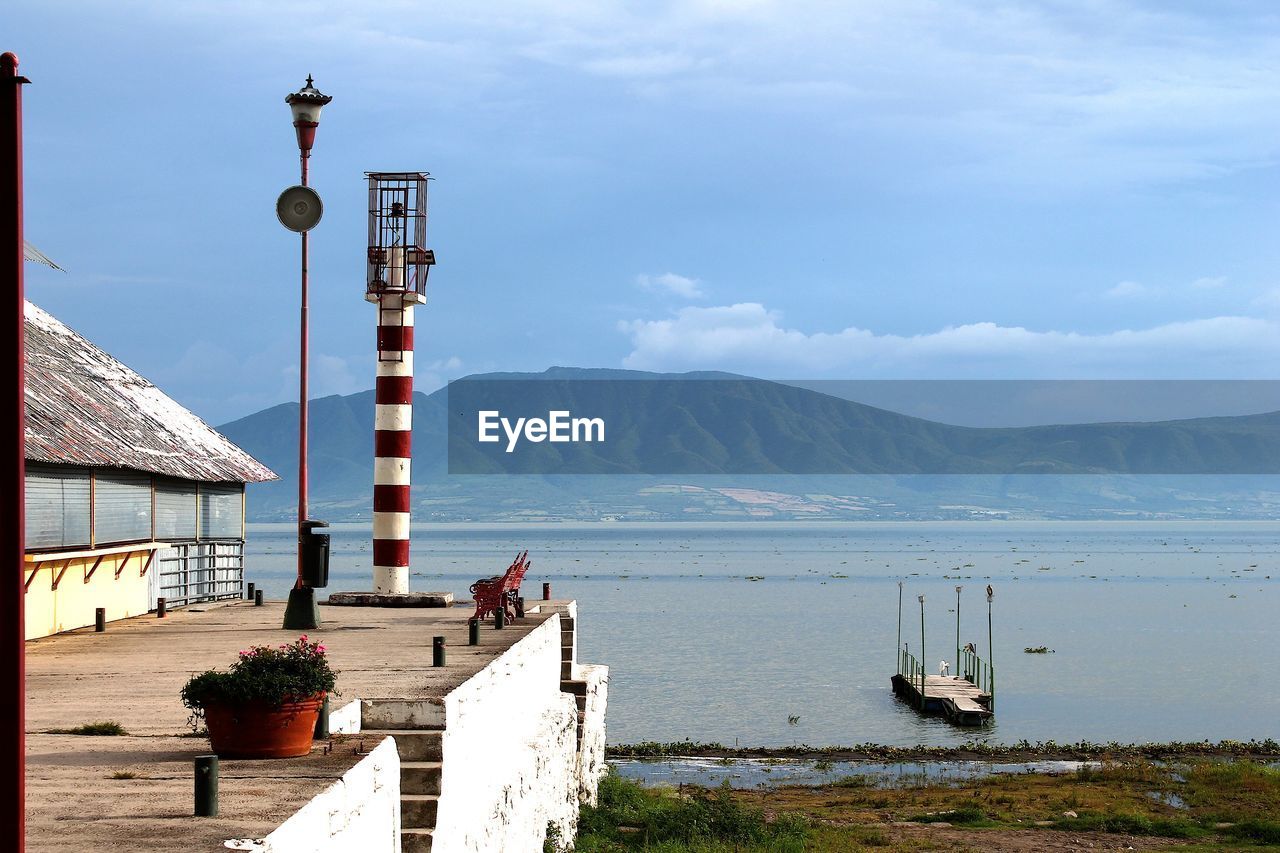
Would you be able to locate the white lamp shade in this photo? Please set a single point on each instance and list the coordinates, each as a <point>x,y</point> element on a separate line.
<point>306,110</point>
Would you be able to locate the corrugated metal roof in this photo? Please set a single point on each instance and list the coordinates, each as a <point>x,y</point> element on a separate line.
<point>86,408</point>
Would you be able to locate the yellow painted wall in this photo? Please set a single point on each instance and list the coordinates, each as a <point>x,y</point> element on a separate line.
<point>72,604</point>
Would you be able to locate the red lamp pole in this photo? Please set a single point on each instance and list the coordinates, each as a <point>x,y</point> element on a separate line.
<point>303,358</point>
<point>305,104</point>
<point>12,525</point>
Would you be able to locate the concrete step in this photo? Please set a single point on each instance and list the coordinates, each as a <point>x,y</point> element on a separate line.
<point>415,841</point>
<point>574,686</point>
<point>413,744</point>
<point>566,670</point>
<point>420,777</point>
<point>418,811</point>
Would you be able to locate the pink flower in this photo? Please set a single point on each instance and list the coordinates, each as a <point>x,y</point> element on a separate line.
<point>320,649</point>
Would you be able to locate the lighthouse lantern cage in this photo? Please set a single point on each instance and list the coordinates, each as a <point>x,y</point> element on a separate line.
<point>398,257</point>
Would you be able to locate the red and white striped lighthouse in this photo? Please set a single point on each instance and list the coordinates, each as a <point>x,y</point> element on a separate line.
<point>398,263</point>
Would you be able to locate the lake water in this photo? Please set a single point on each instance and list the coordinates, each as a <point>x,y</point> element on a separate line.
<point>1160,631</point>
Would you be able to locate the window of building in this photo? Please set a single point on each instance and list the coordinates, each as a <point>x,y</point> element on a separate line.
<point>57,506</point>
<point>221,510</point>
<point>176,509</point>
<point>121,507</point>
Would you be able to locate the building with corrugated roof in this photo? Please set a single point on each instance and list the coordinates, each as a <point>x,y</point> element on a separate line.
<point>129,496</point>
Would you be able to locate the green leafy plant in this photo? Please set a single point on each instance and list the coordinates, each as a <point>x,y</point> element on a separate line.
<point>263,675</point>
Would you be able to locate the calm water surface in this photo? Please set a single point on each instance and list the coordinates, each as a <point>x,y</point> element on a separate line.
<point>1160,631</point>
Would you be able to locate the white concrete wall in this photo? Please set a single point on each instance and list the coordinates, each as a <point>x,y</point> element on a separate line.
<point>361,811</point>
<point>345,720</point>
<point>591,766</point>
<point>510,765</point>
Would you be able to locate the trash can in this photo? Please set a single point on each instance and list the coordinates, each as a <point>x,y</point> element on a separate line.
<point>315,554</point>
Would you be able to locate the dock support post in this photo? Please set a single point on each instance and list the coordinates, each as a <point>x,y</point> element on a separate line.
<point>546,591</point>
<point>206,786</point>
<point>249,594</point>
<point>257,598</point>
<point>100,619</point>
<point>500,615</point>
<point>473,633</point>
<point>161,606</point>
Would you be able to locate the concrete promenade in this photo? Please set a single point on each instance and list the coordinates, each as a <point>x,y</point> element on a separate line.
<point>132,674</point>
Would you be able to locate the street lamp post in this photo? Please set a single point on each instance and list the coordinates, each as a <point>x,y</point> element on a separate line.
<point>957,657</point>
<point>305,105</point>
<point>920,598</point>
<point>991,652</point>
<point>899,626</point>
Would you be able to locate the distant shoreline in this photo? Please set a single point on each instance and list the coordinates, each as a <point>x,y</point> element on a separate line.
<point>772,524</point>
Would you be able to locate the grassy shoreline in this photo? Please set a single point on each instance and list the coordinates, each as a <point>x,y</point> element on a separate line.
<point>1021,751</point>
<point>1189,803</point>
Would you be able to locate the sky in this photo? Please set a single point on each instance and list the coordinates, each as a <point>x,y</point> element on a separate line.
<point>867,189</point>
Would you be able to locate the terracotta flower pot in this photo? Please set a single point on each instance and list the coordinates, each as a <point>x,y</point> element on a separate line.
<point>258,731</point>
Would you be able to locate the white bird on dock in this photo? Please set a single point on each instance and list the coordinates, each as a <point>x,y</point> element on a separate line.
<point>944,669</point>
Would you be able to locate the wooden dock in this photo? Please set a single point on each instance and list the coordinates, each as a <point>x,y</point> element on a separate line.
<point>955,697</point>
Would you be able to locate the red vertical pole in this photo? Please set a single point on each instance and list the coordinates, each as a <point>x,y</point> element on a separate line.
<point>303,391</point>
<point>12,434</point>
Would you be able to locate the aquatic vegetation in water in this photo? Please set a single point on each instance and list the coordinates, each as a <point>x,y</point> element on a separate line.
<point>1038,650</point>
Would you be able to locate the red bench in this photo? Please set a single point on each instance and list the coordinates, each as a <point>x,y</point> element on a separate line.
<point>495,592</point>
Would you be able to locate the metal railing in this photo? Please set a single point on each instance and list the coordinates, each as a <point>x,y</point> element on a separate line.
<point>978,672</point>
<point>912,670</point>
<point>191,572</point>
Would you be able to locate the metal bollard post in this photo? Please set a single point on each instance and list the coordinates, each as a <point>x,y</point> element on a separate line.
<point>520,607</point>
<point>437,651</point>
<point>249,593</point>
<point>500,616</point>
<point>257,598</point>
<point>322,721</point>
<point>206,786</point>
<point>100,619</point>
<point>160,608</point>
<point>546,590</point>
<point>473,633</point>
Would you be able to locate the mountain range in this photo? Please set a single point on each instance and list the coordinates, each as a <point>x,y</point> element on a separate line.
<point>743,448</point>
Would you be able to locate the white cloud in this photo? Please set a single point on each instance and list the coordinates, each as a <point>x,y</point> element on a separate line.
<point>748,338</point>
<point>1209,282</point>
<point>1128,290</point>
<point>670,282</point>
<point>1103,92</point>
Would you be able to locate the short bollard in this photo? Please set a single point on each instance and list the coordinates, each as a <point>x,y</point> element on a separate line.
<point>546,591</point>
<point>206,786</point>
<point>100,619</point>
<point>500,617</point>
<point>473,633</point>
<point>257,598</point>
<point>322,721</point>
<point>249,592</point>
<point>520,607</point>
<point>437,651</point>
<point>160,608</point>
